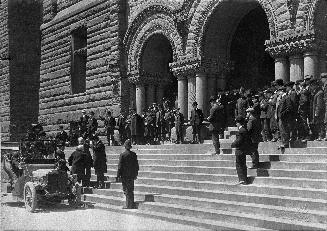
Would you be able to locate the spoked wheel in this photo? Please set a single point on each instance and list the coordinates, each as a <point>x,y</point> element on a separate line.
<point>77,195</point>
<point>30,197</point>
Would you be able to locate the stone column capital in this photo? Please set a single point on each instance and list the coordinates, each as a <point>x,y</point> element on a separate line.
<point>310,53</point>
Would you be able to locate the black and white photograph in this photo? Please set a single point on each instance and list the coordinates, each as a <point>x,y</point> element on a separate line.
<point>163,115</point>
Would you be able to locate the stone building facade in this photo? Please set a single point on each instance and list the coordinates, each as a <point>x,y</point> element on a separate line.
<point>20,44</point>
<point>100,54</point>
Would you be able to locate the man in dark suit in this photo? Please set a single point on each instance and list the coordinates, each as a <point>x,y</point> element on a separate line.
<point>128,168</point>
<point>179,121</point>
<point>61,137</point>
<point>216,119</point>
<point>196,122</point>
<point>109,123</point>
<point>241,143</point>
<point>78,161</point>
<point>99,160</point>
<point>137,130</point>
<point>83,121</point>
<point>121,126</point>
<point>254,131</point>
<point>318,113</point>
<point>92,125</point>
<point>284,115</point>
<point>323,77</point>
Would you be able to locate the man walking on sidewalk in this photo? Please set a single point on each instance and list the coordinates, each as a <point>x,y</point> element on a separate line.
<point>128,168</point>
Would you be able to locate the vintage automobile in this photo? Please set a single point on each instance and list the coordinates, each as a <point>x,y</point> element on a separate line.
<point>37,175</point>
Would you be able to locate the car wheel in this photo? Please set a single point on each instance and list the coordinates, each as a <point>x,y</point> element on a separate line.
<point>30,197</point>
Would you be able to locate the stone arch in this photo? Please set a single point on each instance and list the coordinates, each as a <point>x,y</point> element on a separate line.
<point>155,24</point>
<point>317,16</point>
<point>202,15</point>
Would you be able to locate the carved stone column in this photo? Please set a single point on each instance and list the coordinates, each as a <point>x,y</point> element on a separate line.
<point>311,64</point>
<point>182,94</point>
<point>140,98</point>
<point>282,69</point>
<point>296,67</point>
<point>191,94</point>
<point>201,90</point>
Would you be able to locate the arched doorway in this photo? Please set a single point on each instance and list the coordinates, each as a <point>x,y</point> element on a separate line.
<point>155,58</point>
<point>234,38</point>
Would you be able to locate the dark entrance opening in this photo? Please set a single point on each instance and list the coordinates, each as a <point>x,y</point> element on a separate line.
<point>157,55</point>
<point>252,66</point>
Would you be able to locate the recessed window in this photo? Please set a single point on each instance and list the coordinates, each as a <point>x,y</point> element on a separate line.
<point>78,60</point>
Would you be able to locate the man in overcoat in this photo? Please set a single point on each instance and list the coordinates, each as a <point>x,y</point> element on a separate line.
<point>61,137</point>
<point>110,123</point>
<point>242,145</point>
<point>128,168</point>
<point>83,121</point>
<point>99,160</point>
<point>92,125</point>
<point>216,119</point>
<point>179,121</point>
<point>254,130</point>
<point>136,127</point>
<point>196,122</point>
<point>318,113</point>
<point>323,77</point>
<point>78,161</point>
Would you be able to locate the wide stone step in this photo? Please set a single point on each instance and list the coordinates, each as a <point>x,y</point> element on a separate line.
<point>208,156</point>
<point>253,188</point>
<point>259,221</point>
<point>232,206</point>
<point>258,197</point>
<point>201,223</point>
<point>312,150</point>
<point>278,181</point>
<point>313,174</point>
<point>230,163</point>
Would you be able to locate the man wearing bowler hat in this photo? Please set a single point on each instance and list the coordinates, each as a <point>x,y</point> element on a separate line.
<point>128,168</point>
<point>196,121</point>
<point>216,119</point>
<point>242,146</point>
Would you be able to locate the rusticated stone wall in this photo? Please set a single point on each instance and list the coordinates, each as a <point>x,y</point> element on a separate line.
<point>20,47</point>
<point>4,71</point>
<point>105,87</point>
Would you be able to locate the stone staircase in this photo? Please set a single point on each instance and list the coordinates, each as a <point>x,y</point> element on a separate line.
<point>185,184</point>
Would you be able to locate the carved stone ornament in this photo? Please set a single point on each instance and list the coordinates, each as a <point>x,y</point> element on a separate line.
<point>294,44</point>
<point>293,6</point>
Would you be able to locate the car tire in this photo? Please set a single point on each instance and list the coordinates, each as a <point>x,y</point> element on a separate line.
<point>30,197</point>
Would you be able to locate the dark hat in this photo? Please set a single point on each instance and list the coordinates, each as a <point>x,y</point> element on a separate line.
<point>279,82</point>
<point>323,75</point>
<point>128,143</point>
<point>240,119</point>
<point>298,82</point>
<point>289,84</point>
<point>61,126</point>
<point>194,103</point>
<point>212,99</point>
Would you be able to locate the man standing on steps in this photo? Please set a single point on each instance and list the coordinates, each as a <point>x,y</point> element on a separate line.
<point>216,119</point>
<point>323,77</point>
<point>196,122</point>
<point>254,129</point>
<point>128,168</point>
<point>241,144</point>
